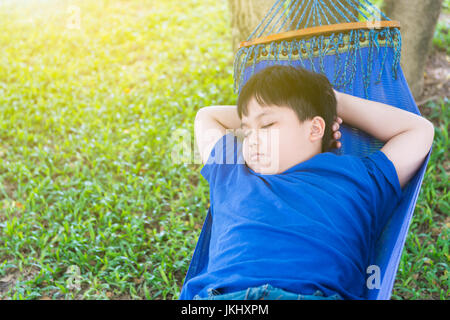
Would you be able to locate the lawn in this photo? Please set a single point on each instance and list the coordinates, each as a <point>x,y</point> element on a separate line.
<point>91,204</point>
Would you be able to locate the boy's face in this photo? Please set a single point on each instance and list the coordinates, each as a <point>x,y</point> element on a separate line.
<point>274,138</point>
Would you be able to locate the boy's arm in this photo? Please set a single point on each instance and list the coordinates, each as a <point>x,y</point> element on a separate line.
<point>408,136</point>
<point>211,124</point>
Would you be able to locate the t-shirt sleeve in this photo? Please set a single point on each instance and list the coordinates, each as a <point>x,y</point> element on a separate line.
<point>384,184</point>
<point>224,153</point>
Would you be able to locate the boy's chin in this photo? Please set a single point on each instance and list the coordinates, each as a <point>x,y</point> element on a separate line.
<point>263,168</point>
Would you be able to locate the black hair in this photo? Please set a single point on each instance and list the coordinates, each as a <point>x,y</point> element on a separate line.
<point>308,93</point>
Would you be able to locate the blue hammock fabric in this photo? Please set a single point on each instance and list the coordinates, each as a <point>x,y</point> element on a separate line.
<point>363,63</point>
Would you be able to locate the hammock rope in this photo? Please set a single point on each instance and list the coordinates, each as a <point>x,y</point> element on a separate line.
<point>347,51</point>
<point>346,46</point>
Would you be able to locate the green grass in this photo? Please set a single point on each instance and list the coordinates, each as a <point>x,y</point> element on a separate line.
<point>89,194</point>
<point>85,141</point>
<point>441,38</point>
<point>424,268</point>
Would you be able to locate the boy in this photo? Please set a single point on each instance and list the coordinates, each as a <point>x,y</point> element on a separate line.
<point>291,220</point>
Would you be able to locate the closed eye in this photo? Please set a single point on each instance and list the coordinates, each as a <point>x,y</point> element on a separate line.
<point>247,133</point>
<point>268,125</point>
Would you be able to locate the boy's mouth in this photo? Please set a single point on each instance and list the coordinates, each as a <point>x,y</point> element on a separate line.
<point>256,156</point>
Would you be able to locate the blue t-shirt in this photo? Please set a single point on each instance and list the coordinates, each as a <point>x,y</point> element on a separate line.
<point>311,227</point>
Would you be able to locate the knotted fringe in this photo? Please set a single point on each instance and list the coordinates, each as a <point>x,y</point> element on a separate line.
<point>311,13</point>
<point>299,51</point>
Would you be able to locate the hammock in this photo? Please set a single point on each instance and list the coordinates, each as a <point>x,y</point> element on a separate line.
<point>358,48</point>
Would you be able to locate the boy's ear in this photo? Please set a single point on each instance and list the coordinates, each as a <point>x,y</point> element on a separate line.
<point>317,129</point>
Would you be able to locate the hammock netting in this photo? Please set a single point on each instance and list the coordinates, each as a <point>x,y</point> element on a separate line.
<point>364,62</point>
<point>346,49</point>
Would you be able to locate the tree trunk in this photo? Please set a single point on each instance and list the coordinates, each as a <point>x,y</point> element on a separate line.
<point>418,19</point>
<point>245,17</point>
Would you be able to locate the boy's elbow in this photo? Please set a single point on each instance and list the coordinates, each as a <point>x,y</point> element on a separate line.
<point>200,112</point>
<point>428,128</point>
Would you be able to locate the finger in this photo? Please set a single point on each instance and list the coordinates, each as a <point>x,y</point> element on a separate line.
<point>335,126</point>
<point>335,144</point>
<point>337,135</point>
<point>339,120</point>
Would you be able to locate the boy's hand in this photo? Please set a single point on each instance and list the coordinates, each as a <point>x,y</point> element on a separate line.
<point>336,134</point>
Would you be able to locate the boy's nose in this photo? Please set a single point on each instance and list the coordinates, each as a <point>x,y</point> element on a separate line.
<point>254,137</point>
<point>257,140</point>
